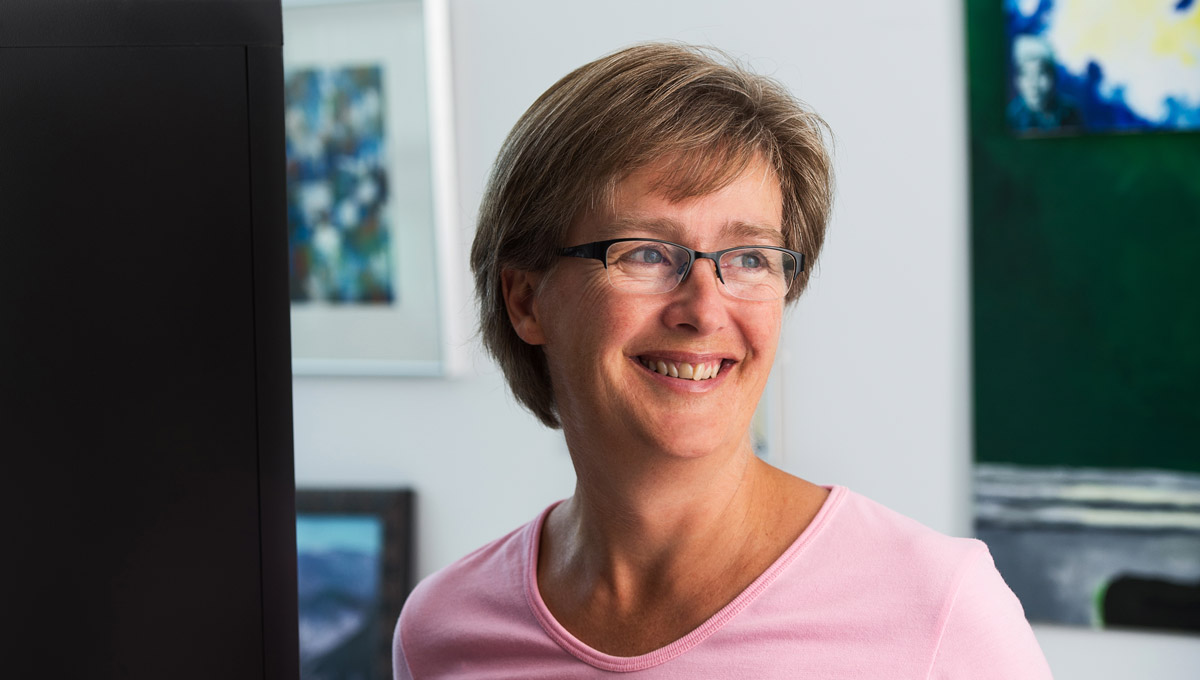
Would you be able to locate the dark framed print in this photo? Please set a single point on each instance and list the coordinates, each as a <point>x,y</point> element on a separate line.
<point>355,568</point>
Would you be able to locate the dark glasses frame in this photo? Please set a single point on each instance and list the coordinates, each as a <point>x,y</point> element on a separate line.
<point>598,250</point>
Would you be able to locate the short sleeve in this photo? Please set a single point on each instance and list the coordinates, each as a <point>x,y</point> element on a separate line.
<point>985,635</point>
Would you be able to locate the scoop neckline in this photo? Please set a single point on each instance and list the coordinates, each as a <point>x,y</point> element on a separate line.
<point>609,662</point>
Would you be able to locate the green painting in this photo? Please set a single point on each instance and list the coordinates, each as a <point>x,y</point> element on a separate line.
<point>1085,261</point>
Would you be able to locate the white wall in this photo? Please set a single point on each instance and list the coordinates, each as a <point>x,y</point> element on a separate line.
<point>874,361</point>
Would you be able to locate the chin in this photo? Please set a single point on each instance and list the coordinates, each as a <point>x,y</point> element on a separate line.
<point>702,443</point>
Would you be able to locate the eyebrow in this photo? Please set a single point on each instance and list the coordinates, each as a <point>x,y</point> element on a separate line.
<point>671,230</point>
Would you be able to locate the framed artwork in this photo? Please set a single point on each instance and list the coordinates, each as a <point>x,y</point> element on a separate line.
<point>369,188</point>
<point>1080,66</point>
<point>1085,328</point>
<point>355,568</point>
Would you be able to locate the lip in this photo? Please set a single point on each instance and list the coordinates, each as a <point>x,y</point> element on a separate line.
<point>680,385</point>
<point>686,357</point>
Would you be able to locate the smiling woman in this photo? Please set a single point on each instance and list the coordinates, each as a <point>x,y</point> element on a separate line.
<point>597,335</point>
<point>646,222</point>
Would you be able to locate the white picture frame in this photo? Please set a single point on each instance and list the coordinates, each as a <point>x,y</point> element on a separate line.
<point>417,333</point>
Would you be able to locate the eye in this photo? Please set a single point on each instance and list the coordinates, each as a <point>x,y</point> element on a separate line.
<point>647,254</point>
<point>748,259</point>
<point>751,261</point>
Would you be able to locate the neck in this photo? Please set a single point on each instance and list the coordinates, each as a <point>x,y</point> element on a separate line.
<point>644,520</point>
<point>650,546</point>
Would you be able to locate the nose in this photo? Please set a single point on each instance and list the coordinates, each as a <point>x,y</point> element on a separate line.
<point>698,302</point>
<point>699,262</point>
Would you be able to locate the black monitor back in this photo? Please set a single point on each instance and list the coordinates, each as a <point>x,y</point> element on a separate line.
<point>145,386</point>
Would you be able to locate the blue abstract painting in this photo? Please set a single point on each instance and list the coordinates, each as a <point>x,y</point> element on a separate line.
<point>337,186</point>
<point>1079,66</point>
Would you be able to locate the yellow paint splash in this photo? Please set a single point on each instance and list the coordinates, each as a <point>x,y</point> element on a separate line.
<point>1146,47</point>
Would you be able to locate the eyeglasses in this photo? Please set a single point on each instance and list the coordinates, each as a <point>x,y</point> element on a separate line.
<point>651,266</point>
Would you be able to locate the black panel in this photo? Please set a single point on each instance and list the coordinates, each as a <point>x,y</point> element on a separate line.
<point>273,345</point>
<point>29,23</point>
<point>128,384</point>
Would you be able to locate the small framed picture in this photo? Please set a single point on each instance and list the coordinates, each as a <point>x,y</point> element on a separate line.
<point>374,264</point>
<point>355,568</point>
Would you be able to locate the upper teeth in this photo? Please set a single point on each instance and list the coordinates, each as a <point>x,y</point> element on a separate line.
<point>682,369</point>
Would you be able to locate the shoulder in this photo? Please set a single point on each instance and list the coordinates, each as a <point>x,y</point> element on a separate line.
<point>498,563</point>
<point>862,558</point>
<point>861,524</point>
<point>971,622</point>
<point>984,633</point>
<point>470,612</point>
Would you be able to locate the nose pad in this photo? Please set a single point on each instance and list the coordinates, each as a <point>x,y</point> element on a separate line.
<point>716,267</point>
<point>692,270</point>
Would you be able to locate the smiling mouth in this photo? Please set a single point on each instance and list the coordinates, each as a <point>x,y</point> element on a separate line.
<point>682,370</point>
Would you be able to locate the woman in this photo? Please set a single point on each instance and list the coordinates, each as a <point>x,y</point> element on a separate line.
<point>645,224</point>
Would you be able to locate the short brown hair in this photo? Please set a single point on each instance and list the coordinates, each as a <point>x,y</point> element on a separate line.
<point>695,106</point>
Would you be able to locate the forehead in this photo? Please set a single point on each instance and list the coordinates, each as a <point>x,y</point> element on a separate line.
<point>732,231</point>
<point>745,208</point>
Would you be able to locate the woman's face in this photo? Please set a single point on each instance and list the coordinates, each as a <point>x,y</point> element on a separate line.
<point>599,340</point>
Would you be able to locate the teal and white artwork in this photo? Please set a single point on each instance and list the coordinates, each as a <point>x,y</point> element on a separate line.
<point>1085,66</point>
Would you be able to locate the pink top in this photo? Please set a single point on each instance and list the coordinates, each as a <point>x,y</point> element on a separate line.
<point>863,593</point>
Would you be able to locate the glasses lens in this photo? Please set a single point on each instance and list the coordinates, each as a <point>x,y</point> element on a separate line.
<point>646,266</point>
<point>758,273</point>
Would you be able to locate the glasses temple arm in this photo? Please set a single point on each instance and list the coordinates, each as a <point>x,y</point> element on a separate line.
<point>590,251</point>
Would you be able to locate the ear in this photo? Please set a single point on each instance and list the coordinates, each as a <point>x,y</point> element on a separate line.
<point>519,297</point>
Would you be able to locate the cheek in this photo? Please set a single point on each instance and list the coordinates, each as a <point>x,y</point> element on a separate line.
<point>595,293</point>
<point>584,313</point>
<point>764,326</point>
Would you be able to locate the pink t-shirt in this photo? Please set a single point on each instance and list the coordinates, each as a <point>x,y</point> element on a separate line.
<point>864,592</point>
